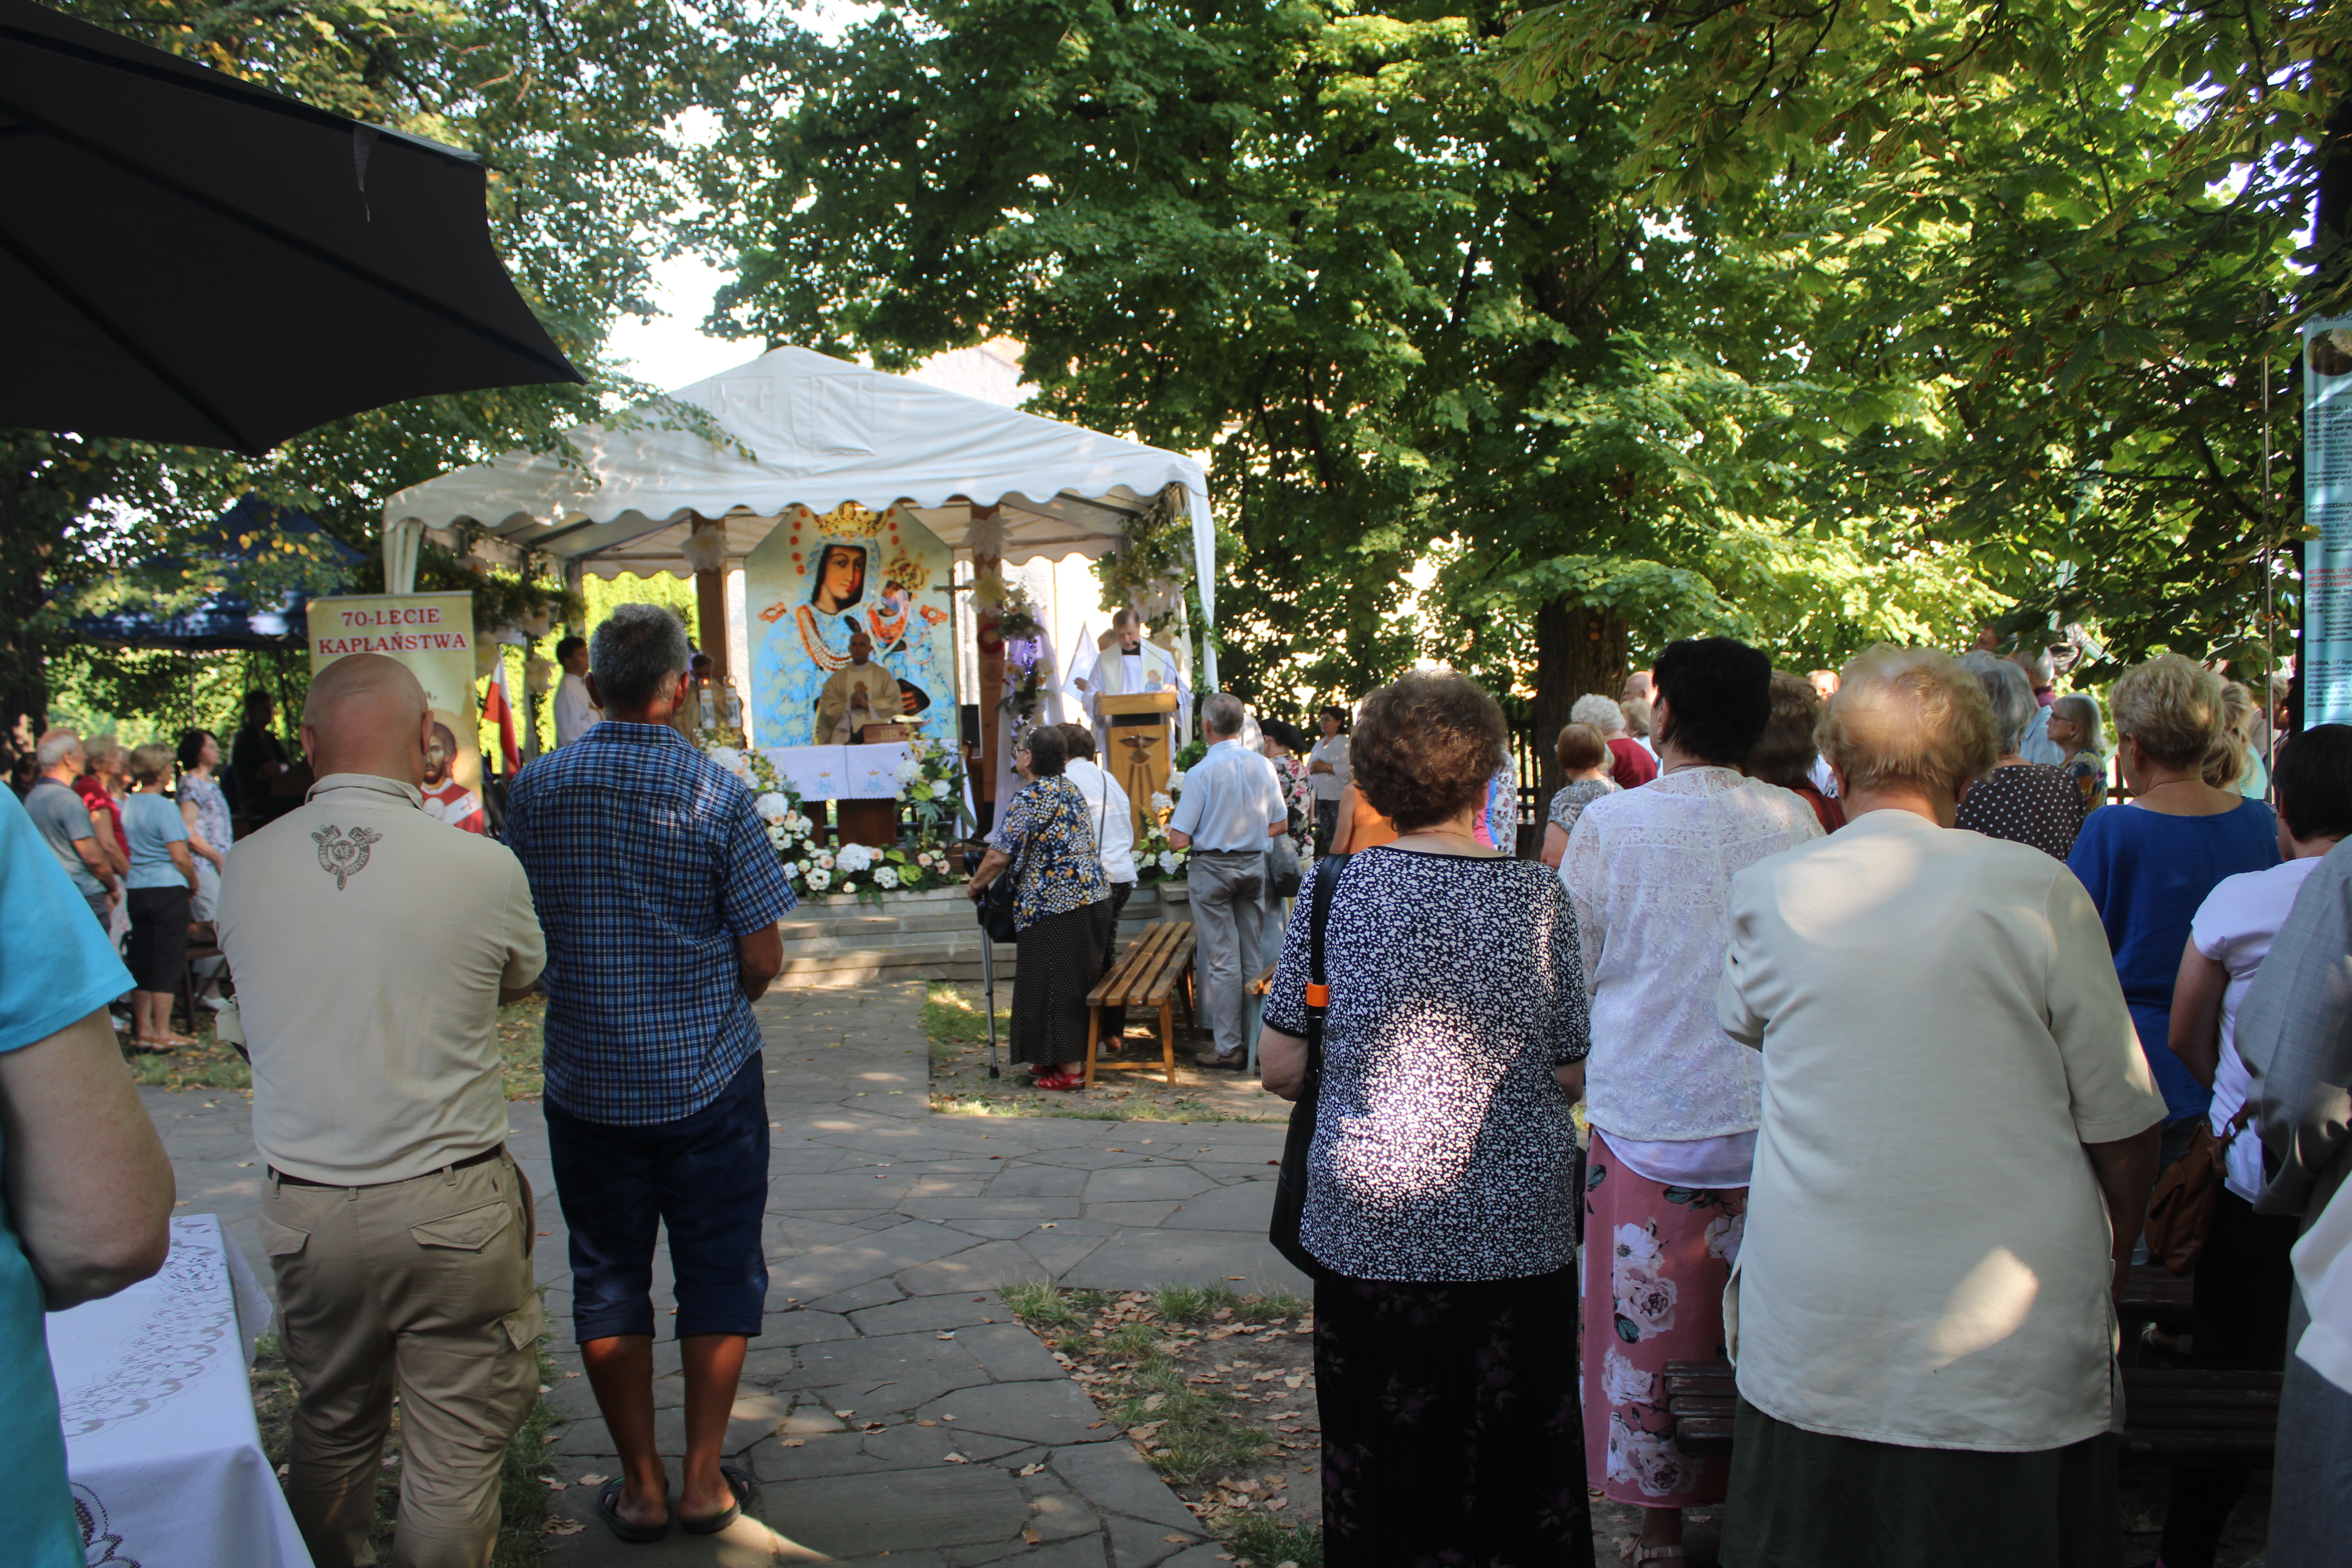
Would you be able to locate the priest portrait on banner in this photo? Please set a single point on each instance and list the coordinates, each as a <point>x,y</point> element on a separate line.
<point>445,794</point>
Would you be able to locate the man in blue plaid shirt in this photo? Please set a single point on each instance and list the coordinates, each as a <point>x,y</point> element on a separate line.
<point>659,894</point>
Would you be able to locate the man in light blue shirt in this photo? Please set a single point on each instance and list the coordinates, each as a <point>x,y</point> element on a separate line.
<point>1231,806</point>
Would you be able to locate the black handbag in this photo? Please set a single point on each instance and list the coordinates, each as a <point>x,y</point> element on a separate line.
<point>1290,1184</point>
<point>1282,873</point>
<point>996,902</point>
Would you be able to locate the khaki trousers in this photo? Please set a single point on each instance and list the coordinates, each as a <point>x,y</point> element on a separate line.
<point>421,1287</point>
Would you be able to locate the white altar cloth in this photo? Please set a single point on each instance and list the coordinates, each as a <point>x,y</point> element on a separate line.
<point>161,1446</point>
<point>840,773</point>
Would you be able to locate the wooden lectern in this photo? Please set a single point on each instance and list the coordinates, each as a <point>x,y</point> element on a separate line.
<point>1138,759</point>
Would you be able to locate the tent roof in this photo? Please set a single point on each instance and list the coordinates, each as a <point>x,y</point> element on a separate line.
<point>226,620</point>
<point>817,432</point>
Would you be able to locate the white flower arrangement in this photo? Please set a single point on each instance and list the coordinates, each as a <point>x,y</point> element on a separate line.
<point>926,778</point>
<point>1162,801</point>
<point>1170,861</point>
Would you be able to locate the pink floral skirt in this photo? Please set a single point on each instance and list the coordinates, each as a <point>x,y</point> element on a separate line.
<point>1655,1261</point>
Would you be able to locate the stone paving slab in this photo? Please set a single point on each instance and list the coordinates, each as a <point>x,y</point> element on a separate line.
<point>890,1227</point>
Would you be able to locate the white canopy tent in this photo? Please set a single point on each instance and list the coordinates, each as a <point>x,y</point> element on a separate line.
<point>817,432</point>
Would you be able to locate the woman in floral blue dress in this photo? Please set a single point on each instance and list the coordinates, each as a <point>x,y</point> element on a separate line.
<point>1061,908</point>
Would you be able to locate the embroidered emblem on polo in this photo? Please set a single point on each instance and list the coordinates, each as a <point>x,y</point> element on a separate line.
<point>343,856</point>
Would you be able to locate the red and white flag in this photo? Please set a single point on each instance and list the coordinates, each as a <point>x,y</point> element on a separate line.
<point>497,708</point>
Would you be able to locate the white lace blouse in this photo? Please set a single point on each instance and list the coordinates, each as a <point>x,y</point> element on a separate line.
<point>1648,872</point>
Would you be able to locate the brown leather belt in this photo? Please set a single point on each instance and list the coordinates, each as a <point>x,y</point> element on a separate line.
<point>487,1155</point>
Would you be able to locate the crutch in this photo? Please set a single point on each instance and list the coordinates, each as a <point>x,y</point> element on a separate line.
<point>988,983</point>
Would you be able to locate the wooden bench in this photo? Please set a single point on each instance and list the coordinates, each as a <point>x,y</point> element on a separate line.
<point>2154,1294</point>
<point>1156,968</point>
<point>2170,1418</point>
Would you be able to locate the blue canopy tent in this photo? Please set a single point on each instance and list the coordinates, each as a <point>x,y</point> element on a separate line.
<point>243,536</point>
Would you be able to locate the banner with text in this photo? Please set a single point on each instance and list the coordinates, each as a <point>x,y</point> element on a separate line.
<point>432,634</point>
<point>2327,652</point>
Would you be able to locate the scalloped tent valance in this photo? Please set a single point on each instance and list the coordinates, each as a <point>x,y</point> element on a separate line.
<point>811,431</point>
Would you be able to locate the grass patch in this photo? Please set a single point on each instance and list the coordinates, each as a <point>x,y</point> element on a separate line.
<point>208,1064</point>
<point>523,1496</point>
<point>951,1018</point>
<point>1181,1369</point>
<point>1030,1102</point>
<point>1261,1543</point>
<point>522,1046</point>
<point>204,1065</point>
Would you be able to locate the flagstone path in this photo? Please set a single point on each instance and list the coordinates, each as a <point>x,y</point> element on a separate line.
<point>892,1408</point>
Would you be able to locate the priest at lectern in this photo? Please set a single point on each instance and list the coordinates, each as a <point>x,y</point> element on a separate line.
<point>1127,667</point>
<point>859,693</point>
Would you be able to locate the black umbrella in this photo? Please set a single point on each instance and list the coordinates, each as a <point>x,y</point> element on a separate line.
<point>185,257</point>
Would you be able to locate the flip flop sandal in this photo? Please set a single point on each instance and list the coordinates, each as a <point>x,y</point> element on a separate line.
<point>738,1481</point>
<point>608,1510</point>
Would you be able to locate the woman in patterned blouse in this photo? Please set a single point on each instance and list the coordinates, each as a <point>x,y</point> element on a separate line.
<point>1439,1194</point>
<point>1061,907</point>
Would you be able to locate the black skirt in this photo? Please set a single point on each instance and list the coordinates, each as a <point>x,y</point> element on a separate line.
<point>157,950</point>
<point>1060,957</point>
<point>1810,1499</point>
<point>1451,1431</point>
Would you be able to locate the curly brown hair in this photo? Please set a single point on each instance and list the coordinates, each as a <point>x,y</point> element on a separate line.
<point>1425,747</point>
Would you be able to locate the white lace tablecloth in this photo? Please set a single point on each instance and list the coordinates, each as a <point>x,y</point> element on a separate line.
<point>161,1445</point>
<point>840,773</point>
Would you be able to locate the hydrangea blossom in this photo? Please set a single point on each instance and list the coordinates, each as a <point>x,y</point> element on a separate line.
<point>885,877</point>
<point>773,809</point>
<point>854,857</point>
<point>819,879</point>
<point>1170,861</point>
<point>1161,801</point>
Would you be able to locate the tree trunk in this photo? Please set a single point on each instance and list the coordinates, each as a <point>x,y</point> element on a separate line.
<point>24,668</point>
<point>1578,650</point>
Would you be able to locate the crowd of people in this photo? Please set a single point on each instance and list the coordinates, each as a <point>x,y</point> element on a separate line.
<point>1884,1030</point>
<point>1841,1027</point>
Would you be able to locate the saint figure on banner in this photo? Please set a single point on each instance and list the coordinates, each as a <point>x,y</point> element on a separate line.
<point>445,795</point>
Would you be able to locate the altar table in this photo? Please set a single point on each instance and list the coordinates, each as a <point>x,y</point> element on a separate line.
<point>162,1449</point>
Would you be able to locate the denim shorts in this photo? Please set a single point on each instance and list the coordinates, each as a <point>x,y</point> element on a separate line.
<point>703,1177</point>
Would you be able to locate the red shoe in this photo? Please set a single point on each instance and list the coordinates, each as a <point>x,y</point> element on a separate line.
<point>1060,1080</point>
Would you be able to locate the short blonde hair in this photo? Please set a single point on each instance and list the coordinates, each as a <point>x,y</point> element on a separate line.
<point>152,763</point>
<point>2172,707</point>
<point>1637,716</point>
<point>1913,715</point>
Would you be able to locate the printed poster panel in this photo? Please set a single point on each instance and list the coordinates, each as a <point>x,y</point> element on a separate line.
<point>813,582</point>
<point>432,634</point>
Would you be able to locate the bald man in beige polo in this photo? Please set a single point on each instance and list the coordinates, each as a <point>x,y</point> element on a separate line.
<point>372,944</point>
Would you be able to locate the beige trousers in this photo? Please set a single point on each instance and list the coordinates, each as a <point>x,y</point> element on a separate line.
<point>421,1287</point>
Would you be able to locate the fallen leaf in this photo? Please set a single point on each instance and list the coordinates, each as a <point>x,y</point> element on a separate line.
<point>845,1415</point>
<point>244,1164</point>
<point>1033,1469</point>
<point>796,1442</point>
<point>563,1526</point>
<point>551,1484</point>
<point>957,1459</point>
<point>1180,1540</point>
<point>1279,1502</point>
<point>948,1335</point>
<point>925,1423</point>
<point>1032,1537</point>
<point>593,1480</point>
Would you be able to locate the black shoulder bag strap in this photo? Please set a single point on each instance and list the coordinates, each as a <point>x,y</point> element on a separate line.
<point>1290,1185</point>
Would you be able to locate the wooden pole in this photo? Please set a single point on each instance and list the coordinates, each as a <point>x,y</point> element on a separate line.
<point>990,641</point>
<point>710,608</point>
